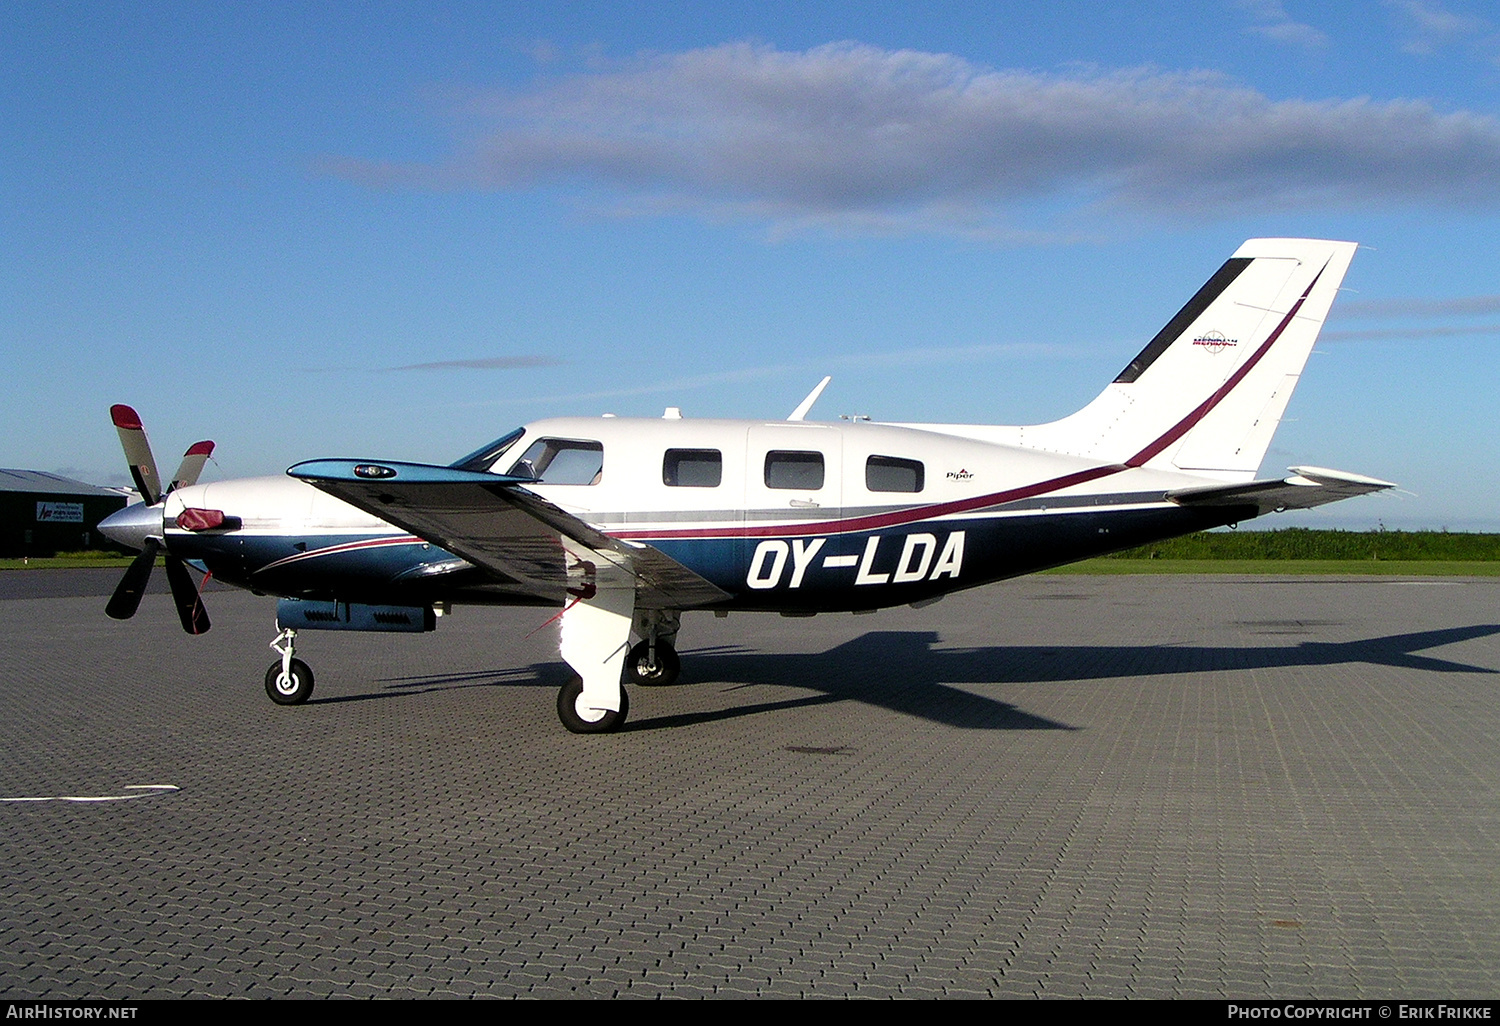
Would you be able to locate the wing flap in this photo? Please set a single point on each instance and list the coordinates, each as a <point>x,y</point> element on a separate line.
<point>495,523</point>
<point>1306,488</point>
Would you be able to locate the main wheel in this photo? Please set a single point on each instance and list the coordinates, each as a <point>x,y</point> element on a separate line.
<point>577,720</point>
<point>289,690</point>
<point>640,670</point>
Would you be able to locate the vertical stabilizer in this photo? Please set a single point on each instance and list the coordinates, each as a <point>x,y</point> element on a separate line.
<point>1207,393</point>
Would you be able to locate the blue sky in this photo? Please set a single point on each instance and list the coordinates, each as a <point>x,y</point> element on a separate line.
<point>398,230</point>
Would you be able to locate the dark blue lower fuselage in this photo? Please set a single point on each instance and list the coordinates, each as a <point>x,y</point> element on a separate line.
<point>838,570</point>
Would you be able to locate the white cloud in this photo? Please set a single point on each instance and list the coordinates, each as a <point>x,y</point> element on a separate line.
<point>915,357</point>
<point>1429,26</point>
<point>1452,306</point>
<point>1273,23</point>
<point>1407,334</point>
<point>854,138</point>
<point>488,363</point>
<point>1411,308</point>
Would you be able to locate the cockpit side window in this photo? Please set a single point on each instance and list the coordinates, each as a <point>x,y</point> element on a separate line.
<point>567,461</point>
<point>482,461</point>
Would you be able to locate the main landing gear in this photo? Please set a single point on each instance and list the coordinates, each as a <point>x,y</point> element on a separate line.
<point>652,663</point>
<point>581,718</point>
<point>289,681</point>
<point>596,643</point>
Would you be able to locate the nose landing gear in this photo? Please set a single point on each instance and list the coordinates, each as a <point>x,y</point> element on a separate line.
<point>289,681</point>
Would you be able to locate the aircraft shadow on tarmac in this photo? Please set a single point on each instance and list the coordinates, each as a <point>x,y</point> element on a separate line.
<point>907,672</point>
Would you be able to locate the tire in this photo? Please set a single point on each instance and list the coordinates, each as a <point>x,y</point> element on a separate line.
<point>664,673</point>
<point>567,711</point>
<point>293,692</point>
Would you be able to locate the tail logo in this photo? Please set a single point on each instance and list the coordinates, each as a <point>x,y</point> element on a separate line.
<point>1214,341</point>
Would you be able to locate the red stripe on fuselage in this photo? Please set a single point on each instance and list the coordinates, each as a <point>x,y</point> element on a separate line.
<point>368,543</point>
<point>880,521</point>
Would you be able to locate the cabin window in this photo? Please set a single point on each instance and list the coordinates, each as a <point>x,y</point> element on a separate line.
<point>800,471</point>
<point>893,474</point>
<point>692,468</point>
<point>566,461</point>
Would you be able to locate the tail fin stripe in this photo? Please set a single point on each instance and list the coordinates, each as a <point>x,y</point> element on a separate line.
<point>1187,423</point>
<point>1211,290</point>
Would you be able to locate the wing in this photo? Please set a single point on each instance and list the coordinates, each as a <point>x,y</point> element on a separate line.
<point>1308,487</point>
<point>495,523</point>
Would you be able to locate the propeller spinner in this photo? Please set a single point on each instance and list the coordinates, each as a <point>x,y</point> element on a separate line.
<point>142,526</point>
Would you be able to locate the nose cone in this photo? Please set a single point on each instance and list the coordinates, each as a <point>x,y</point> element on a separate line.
<point>132,525</point>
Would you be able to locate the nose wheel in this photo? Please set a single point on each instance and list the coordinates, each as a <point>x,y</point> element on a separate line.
<point>289,681</point>
<point>289,687</point>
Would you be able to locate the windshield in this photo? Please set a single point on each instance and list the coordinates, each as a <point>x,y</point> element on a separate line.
<point>568,461</point>
<point>482,461</point>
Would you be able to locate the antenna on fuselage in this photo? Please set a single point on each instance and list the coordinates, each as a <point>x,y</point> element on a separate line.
<point>800,413</point>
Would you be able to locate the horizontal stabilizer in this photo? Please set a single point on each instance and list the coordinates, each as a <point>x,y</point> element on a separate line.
<point>1308,487</point>
<point>491,521</point>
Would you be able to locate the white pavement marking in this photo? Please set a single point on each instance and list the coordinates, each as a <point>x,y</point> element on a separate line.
<point>139,791</point>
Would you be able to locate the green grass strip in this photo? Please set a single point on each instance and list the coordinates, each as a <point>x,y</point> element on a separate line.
<point>1276,567</point>
<point>69,560</point>
<point>1303,543</point>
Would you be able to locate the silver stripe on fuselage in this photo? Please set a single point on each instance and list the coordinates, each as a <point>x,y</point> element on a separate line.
<point>729,518</point>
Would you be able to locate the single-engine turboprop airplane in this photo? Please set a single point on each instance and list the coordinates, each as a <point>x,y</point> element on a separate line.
<point>627,523</point>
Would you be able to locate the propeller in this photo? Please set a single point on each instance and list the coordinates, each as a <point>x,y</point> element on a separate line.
<point>143,526</point>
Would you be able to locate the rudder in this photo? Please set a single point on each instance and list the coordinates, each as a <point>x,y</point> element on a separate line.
<point>1207,393</point>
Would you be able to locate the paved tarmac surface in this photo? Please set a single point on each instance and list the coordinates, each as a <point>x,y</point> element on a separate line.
<point>1061,786</point>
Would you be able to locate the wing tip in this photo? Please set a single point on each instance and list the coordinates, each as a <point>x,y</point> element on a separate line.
<point>1323,475</point>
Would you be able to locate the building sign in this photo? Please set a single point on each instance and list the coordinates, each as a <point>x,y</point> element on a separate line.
<point>59,512</point>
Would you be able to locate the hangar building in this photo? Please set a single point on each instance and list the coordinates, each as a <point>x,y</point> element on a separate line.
<point>42,514</point>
